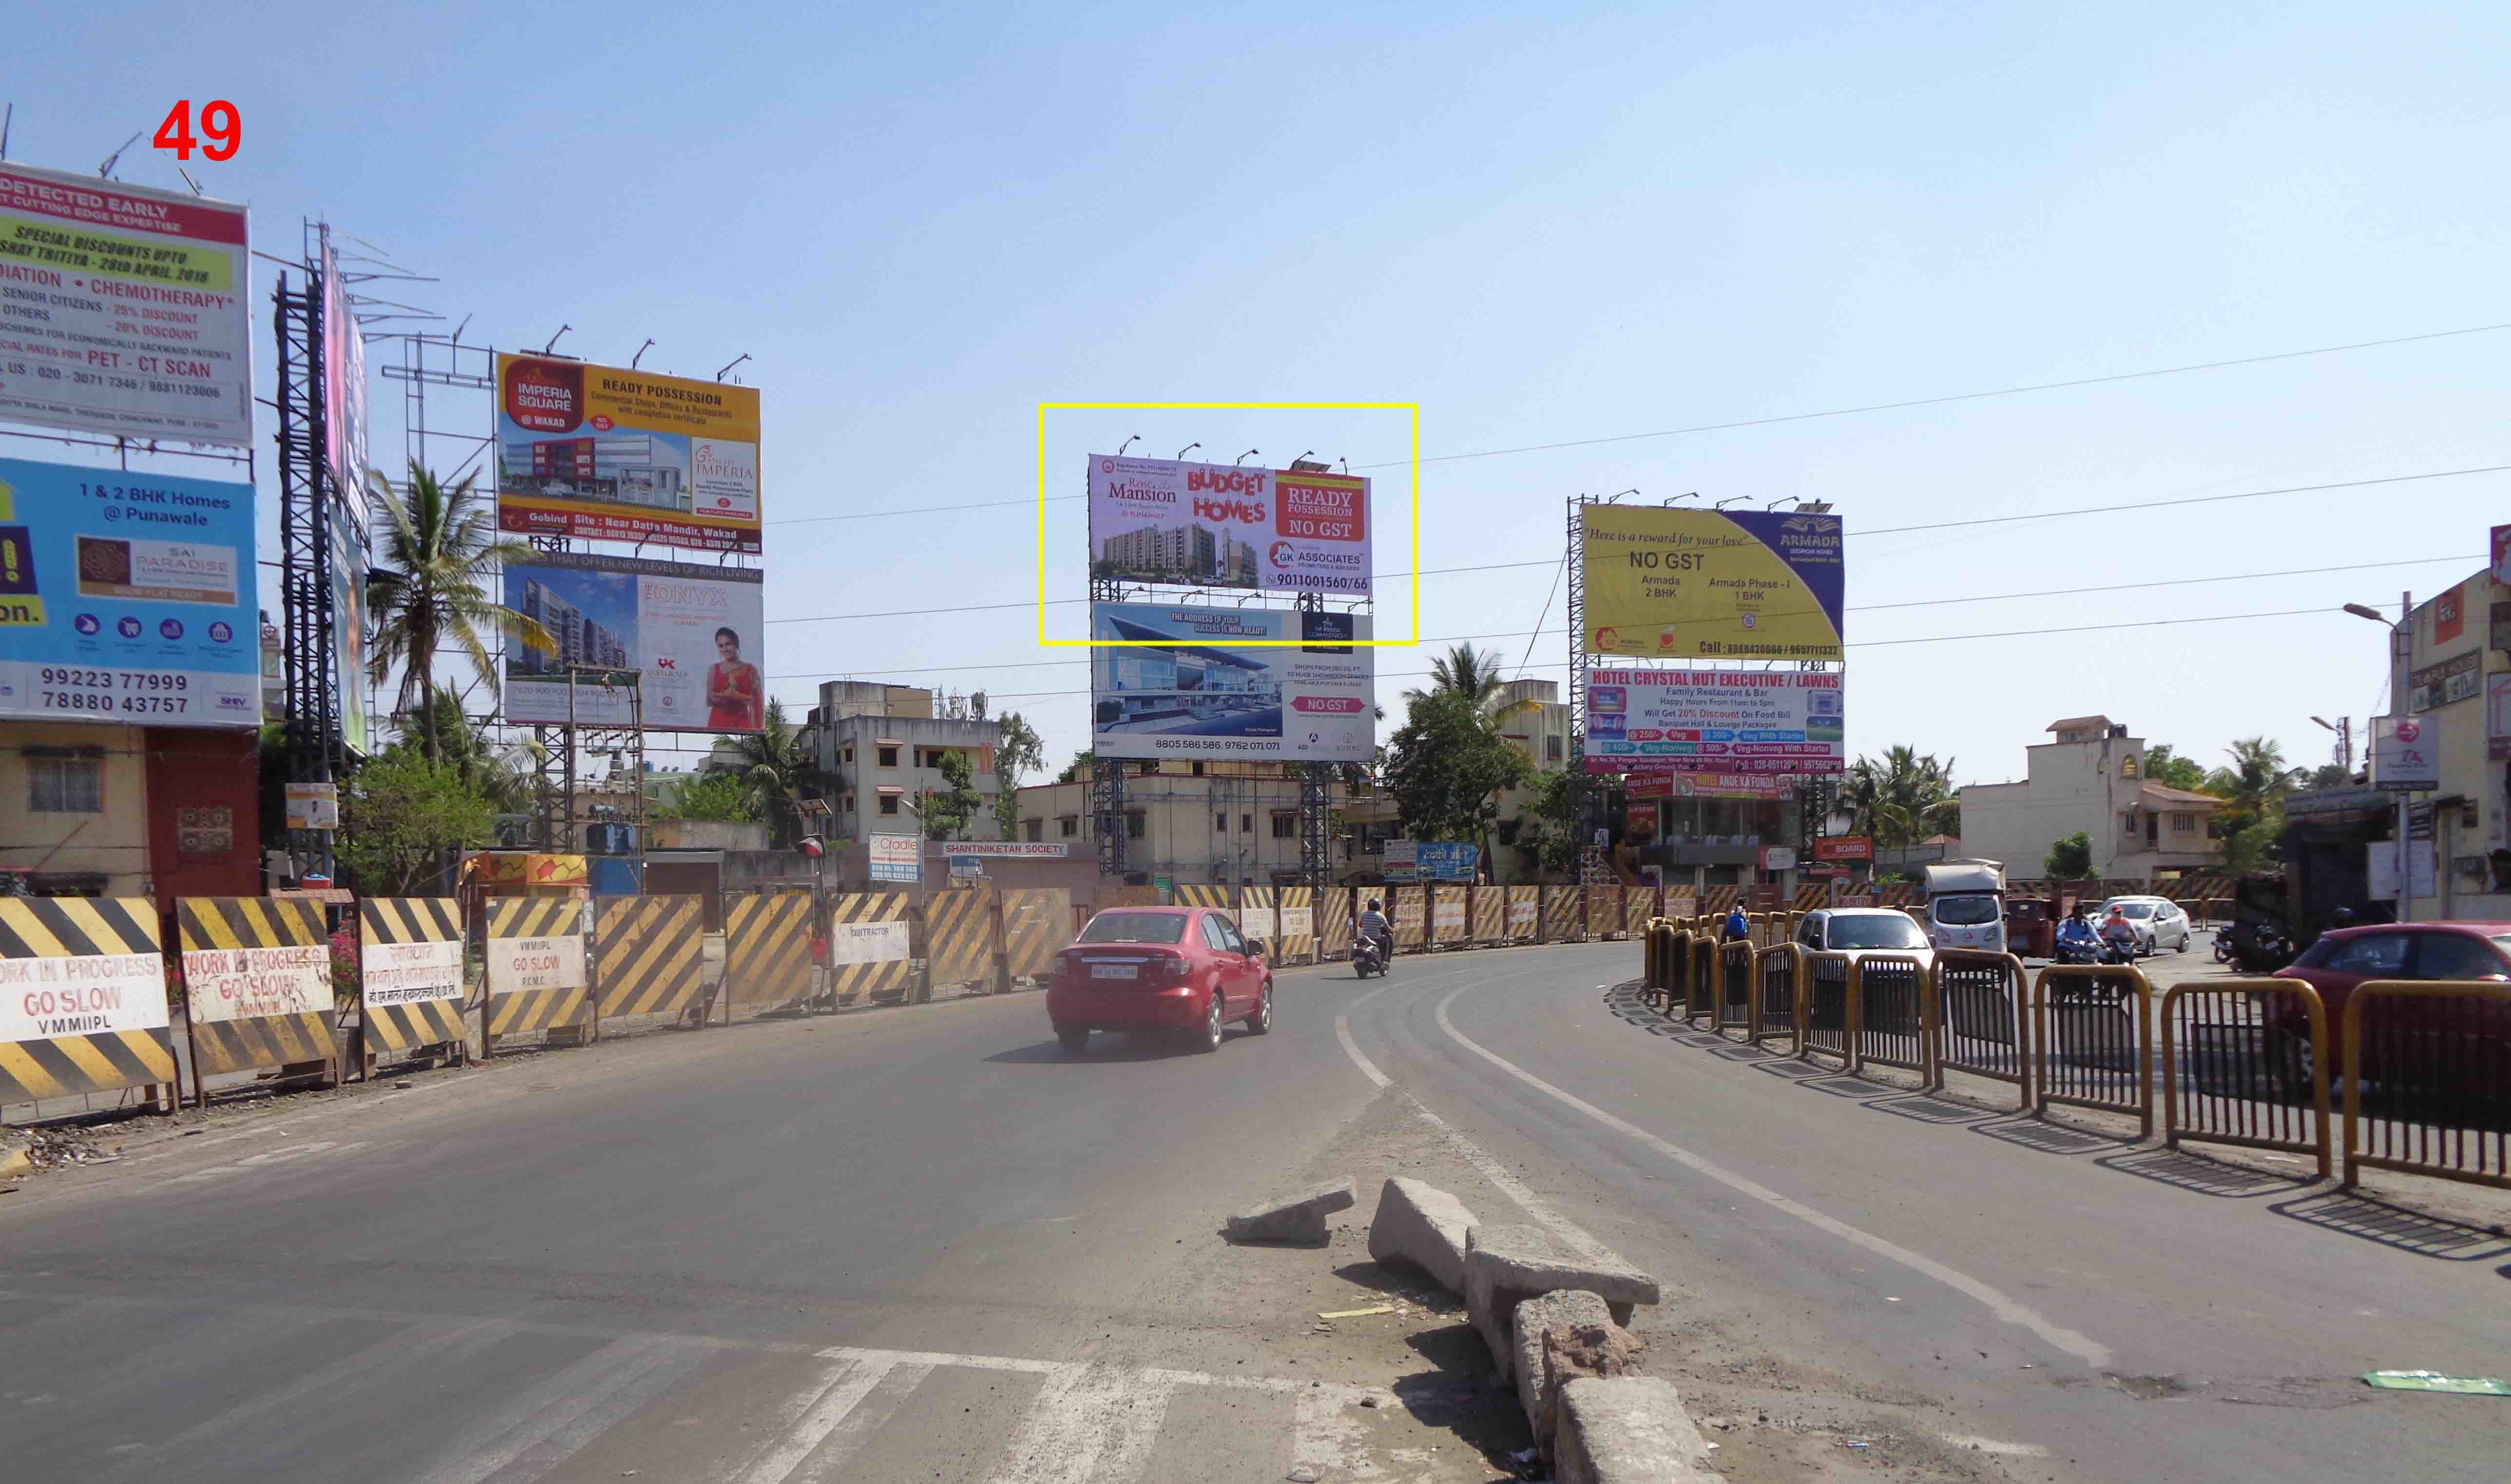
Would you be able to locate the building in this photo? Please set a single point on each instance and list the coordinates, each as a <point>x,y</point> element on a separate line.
<point>2090,777</point>
<point>1185,554</point>
<point>580,639</point>
<point>1203,823</point>
<point>882,745</point>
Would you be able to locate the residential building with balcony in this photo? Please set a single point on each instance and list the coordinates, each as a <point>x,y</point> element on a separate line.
<point>2090,777</point>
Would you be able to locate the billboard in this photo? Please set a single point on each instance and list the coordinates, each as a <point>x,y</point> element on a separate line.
<point>1442,860</point>
<point>349,635</point>
<point>895,858</point>
<point>1711,584</point>
<point>1755,786</point>
<point>2406,755</point>
<point>626,455</point>
<point>126,598</point>
<point>128,309</point>
<point>1201,694</point>
<point>693,631</point>
<point>1714,721</point>
<point>1155,520</point>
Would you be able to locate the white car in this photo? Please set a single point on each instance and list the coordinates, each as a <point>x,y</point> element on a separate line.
<point>1865,930</point>
<point>2158,921</point>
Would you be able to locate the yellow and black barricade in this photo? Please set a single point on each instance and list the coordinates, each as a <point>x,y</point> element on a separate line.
<point>1735,991</point>
<point>2438,1053</point>
<point>1525,914</point>
<point>1896,1014</point>
<point>1778,982</point>
<point>1297,925</point>
<point>871,945</point>
<point>1257,917</point>
<point>411,995</point>
<point>1407,908</point>
<point>1333,924</point>
<point>257,982</point>
<point>1638,909</point>
<point>767,952</point>
<point>2245,1062</point>
<point>959,936</point>
<point>1037,921</point>
<point>647,955</point>
<point>1827,1009</point>
<point>1489,913</point>
<point>1449,925</point>
<point>536,968</point>
<point>89,972</point>
<point>1564,914</point>
<point>1226,898</point>
<point>1605,911</point>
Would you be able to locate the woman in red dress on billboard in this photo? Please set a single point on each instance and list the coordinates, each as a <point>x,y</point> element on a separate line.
<point>733,702</point>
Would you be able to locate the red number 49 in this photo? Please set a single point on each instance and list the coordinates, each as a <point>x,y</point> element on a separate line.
<point>221,130</point>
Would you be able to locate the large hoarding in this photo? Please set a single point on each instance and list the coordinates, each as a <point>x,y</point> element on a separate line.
<point>126,598</point>
<point>1710,584</point>
<point>126,310</point>
<point>344,394</point>
<point>1156,520</point>
<point>1204,694</point>
<point>1714,722</point>
<point>693,632</point>
<point>614,455</point>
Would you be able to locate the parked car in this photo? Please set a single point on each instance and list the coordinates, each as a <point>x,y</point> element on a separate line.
<point>1159,968</point>
<point>2346,957</point>
<point>2160,923</point>
<point>1862,930</point>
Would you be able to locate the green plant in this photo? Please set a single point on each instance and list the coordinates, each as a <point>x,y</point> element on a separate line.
<point>2069,859</point>
<point>709,796</point>
<point>948,810</point>
<point>402,817</point>
<point>772,772</point>
<point>435,553</point>
<point>1019,752</point>
<point>1901,799</point>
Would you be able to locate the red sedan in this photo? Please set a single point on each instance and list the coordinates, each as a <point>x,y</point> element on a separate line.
<point>1151,969</point>
<point>2415,1029</point>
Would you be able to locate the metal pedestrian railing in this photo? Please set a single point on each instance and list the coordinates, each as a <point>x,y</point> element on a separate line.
<point>2091,1039</point>
<point>1895,1014</point>
<point>1700,978</point>
<point>1736,985</point>
<point>1778,981</point>
<point>2428,1079</point>
<point>2244,1062</point>
<point>1981,1019</point>
<point>1828,1019</point>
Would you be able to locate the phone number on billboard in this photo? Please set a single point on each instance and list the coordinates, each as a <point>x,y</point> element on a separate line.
<point>134,692</point>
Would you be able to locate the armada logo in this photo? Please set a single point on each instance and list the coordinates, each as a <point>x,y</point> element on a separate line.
<point>1228,481</point>
<point>1244,512</point>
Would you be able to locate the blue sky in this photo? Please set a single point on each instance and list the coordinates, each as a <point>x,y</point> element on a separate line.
<point>1541,225</point>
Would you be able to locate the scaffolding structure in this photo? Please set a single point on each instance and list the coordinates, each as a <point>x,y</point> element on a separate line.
<point>308,657</point>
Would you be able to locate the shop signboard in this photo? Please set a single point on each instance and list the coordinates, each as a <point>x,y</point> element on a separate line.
<point>895,858</point>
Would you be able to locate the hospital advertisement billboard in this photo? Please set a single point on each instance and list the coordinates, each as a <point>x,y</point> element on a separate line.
<point>128,309</point>
<point>1186,682</point>
<point>1275,530</point>
<point>1729,721</point>
<point>126,598</point>
<point>1711,584</point>
<point>691,631</point>
<point>615,455</point>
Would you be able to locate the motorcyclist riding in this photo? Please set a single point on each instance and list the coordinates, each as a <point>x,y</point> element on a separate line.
<point>2116,930</point>
<point>2078,931</point>
<point>1738,926</point>
<point>1374,926</point>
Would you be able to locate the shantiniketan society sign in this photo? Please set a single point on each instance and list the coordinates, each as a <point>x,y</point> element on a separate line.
<point>1156,520</point>
<point>1705,585</point>
<point>123,310</point>
<point>626,455</point>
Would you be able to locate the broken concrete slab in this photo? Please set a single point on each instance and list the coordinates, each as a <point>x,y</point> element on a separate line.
<point>1507,1265</point>
<point>1560,1336</point>
<point>1297,1218</point>
<point>1423,1225</point>
<point>1625,1430</point>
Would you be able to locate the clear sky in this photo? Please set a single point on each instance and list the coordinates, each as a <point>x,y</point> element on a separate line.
<point>1541,225</point>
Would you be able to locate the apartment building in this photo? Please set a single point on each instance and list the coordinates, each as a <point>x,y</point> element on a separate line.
<point>2090,777</point>
<point>883,744</point>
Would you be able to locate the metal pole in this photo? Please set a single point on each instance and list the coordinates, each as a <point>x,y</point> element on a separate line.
<point>2401,650</point>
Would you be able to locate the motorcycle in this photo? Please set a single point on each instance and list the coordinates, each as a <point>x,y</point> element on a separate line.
<point>1369,957</point>
<point>2088,951</point>
<point>2224,951</point>
<point>2118,951</point>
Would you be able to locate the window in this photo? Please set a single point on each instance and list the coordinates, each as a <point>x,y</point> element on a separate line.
<point>1211,936</point>
<point>1892,932</point>
<point>2380,955</point>
<point>1552,750</point>
<point>2152,827</point>
<point>1809,935</point>
<point>850,804</point>
<point>65,785</point>
<point>1198,770</point>
<point>1033,829</point>
<point>1229,935</point>
<point>850,752</point>
<point>1135,927</point>
<point>2183,824</point>
<point>888,758</point>
<point>2449,956</point>
<point>1134,824</point>
<point>1067,826</point>
<point>1285,825</point>
<point>1246,824</point>
<point>889,804</point>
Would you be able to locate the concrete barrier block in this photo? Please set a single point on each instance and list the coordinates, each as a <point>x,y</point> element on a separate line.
<point>1299,1218</point>
<point>1423,1225</point>
<point>1507,1265</point>
<point>1560,1336</point>
<point>1627,1429</point>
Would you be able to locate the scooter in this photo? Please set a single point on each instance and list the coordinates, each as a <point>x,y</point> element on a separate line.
<point>1369,957</point>
<point>2088,951</point>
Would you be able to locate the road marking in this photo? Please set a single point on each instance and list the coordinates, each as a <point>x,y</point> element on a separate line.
<point>826,1426</point>
<point>548,1423</point>
<point>1991,1445</point>
<point>265,1160</point>
<point>1571,1232</point>
<point>2006,1309</point>
<point>1327,1437</point>
<point>1090,1425</point>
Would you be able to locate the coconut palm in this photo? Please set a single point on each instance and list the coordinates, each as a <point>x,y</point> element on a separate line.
<point>437,550</point>
<point>772,765</point>
<point>1475,675</point>
<point>1901,799</point>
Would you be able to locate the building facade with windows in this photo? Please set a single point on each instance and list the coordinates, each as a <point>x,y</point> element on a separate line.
<point>1205,823</point>
<point>90,809</point>
<point>882,745</point>
<point>2090,777</point>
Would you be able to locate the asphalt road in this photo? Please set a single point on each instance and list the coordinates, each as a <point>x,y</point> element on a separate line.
<point>919,1244</point>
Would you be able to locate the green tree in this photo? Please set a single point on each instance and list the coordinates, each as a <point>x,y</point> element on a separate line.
<point>947,811</point>
<point>1446,766</point>
<point>710,795</point>
<point>402,816</point>
<point>1019,754</point>
<point>774,773</point>
<point>1547,833</point>
<point>2069,859</point>
<point>2167,767</point>
<point>1078,769</point>
<point>435,552</point>
<point>1901,799</point>
<point>1475,675</point>
<point>2331,775</point>
<point>502,776</point>
<point>2252,788</point>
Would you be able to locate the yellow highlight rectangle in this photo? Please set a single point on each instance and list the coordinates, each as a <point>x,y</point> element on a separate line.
<point>1044,408</point>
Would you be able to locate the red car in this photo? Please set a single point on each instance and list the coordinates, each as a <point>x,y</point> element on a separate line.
<point>2346,957</point>
<point>1152,968</point>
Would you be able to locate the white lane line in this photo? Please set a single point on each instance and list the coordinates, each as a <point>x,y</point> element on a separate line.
<point>931,1358</point>
<point>1327,1436</point>
<point>1991,1445</point>
<point>544,1425</point>
<point>2005,1307</point>
<point>813,1418</point>
<point>1090,1425</point>
<point>1575,1236</point>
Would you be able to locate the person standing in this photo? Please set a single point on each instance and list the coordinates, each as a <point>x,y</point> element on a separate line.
<point>734,696</point>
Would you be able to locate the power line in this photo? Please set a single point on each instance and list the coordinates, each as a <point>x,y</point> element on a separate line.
<point>1062,602</point>
<point>1750,422</point>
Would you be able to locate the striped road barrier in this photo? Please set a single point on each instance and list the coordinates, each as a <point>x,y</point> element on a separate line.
<point>1333,924</point>
<point>1036,921</point>
<point>1409,909</point>
<point>84,1009</point>
<point>959,936</point>
<point>767,952</point>
<point>1489,914</point>
<point>410,992</point>
<point>537,984</point>
<point>871,945</point>
<point>257,983</point>
<point>1447,922</point>
<point>1297,926</point>
<point>647,955</point>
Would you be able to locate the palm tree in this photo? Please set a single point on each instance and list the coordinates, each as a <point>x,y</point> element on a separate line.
<point>772,765</point>
<point>2252,788</point>
<point>1901,799</point>
<point>437,550</point>
<point>1475,675</point>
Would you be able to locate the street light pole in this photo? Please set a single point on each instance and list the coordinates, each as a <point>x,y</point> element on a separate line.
<point>2402,638</point>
